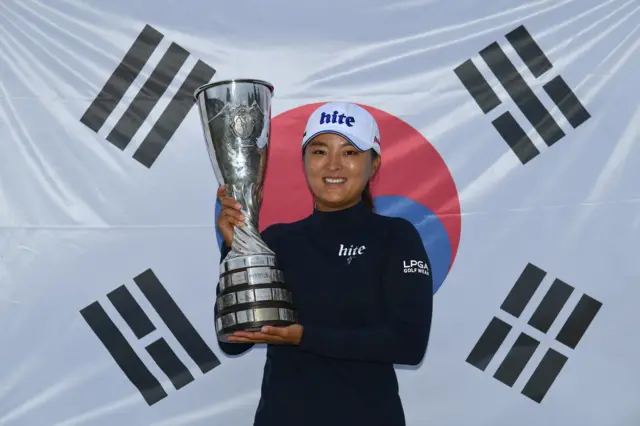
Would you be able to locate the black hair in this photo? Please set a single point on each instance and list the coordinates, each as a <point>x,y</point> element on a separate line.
<point>367,198</point>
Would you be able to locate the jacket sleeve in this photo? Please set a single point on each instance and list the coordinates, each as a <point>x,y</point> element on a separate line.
<point>239,348</point>
<point>402,334</point>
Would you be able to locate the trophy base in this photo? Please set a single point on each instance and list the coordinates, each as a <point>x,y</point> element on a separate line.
<point>253,326</point>
<point>252,294</point>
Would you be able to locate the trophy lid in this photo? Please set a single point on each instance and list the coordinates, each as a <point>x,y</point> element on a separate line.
<point>230,81</point>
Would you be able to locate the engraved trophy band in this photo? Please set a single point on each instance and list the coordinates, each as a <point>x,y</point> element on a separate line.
<point>236,119</point>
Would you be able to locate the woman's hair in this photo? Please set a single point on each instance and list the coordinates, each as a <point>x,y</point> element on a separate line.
<point>367,198</point>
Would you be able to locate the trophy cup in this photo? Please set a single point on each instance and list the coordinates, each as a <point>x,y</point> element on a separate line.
<point>236,117</point>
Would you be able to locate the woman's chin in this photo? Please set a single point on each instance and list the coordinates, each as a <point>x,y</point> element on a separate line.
<point>334,199</point>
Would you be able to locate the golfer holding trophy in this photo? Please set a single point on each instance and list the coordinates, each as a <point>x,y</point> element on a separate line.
<point>358,310</point>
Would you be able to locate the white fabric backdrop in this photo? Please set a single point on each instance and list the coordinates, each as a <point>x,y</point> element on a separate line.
<point>79,217</point>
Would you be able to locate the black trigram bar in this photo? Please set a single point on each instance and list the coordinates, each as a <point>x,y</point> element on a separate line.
<point>169,363</point>
<point>121,79</point>
<point>516,138</point>
<point>160,351</point>
<point>477,86</point>
<point>578,322</point>
<point>521,93</point>
<point>538,63</point>
<point>523,290</point>
<point>523,96</point>
<point>489,343</point>
<point>544,375</point>
<point>148,96</point>
<point>173,115</point>
<point>551,305</point>
<point>516,359</point>
<point>122,353</point>
<point>131,312</point>
<point>529,51</point>
<point>176,321</point>
<point>567,102</point>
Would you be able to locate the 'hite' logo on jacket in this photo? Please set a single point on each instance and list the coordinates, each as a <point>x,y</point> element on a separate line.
<point>413,266</point>
<point>335,118</point>
<point>350,251</point>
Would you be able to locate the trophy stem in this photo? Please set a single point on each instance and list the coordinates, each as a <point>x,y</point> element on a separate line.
<point>246,238</point>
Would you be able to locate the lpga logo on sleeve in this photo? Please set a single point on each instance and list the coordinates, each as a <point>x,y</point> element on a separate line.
<point>413,266</point>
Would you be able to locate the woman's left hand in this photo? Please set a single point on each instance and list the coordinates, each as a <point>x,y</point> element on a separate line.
<point>289,335</point>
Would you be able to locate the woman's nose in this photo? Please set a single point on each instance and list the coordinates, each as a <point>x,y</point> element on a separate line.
<point>335,161</point>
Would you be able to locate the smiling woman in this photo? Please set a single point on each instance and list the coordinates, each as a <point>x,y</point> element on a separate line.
<point>360,310</point>
<point>339,164</point>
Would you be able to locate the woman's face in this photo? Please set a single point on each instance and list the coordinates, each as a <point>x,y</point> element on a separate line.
<point>336,171</point>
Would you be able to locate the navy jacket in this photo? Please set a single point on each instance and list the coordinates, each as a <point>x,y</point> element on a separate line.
<point>362,285</point>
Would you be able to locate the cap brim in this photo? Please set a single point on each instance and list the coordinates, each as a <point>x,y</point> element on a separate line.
<point>357,143</point>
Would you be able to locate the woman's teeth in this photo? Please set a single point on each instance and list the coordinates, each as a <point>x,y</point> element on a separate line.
<point>334,180</point>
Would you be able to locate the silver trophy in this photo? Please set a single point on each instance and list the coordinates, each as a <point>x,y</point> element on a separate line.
<point>236,117</point>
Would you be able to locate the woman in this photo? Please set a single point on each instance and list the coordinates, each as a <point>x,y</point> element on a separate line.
<point>361,308</point>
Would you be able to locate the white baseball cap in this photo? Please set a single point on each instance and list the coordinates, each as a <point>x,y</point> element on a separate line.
<point>346,119</point>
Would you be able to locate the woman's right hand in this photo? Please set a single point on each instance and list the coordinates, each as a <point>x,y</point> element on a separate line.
<point>230,216</point>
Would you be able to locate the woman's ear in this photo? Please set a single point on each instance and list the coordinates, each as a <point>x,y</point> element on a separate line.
<point>376,165</point>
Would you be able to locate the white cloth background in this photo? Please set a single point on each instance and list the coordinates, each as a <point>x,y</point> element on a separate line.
<point>79,217</point>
